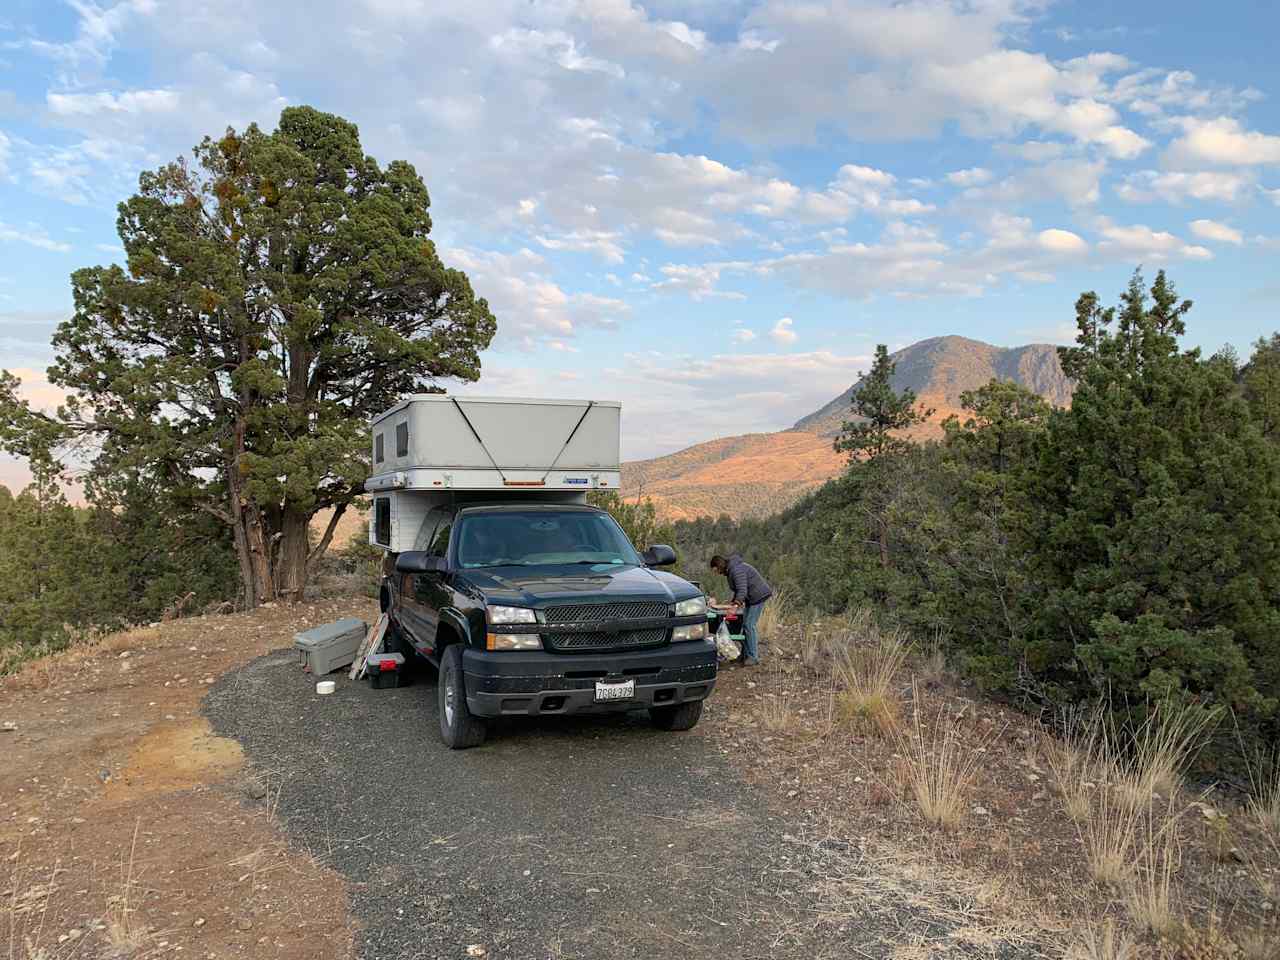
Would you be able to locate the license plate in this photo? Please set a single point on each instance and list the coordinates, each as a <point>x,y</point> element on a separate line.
<point>615,691</point>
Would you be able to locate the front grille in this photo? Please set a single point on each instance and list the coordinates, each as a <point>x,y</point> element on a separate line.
<point>596,612</point>
<point>600,640</point>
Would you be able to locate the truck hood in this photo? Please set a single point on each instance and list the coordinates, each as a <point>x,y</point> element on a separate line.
<point>535,587</point>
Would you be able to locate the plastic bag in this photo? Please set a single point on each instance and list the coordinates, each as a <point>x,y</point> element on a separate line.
<point>726,647</point>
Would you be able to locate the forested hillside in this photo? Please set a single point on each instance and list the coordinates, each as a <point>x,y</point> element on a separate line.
<point>1126,547</point>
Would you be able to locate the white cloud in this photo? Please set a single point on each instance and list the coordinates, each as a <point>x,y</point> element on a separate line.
<point>33,236</point>
<point>1139,243</point>
<point>972,177</point>
<point>1177,187</point>
<point>603,243</point>
<point>529,305</point>
<point>1212,230</point>
<point>1062,241</point>
<point>1273,196</point>
<point>131,101</point>
<point>555,46</point>
<point>699,281</point>
<point>783,332</point>
<point>1222,141</point>
<point>5,150</point>
<point>743,335</point>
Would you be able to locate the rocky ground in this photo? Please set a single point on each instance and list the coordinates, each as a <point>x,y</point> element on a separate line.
<point>181,790</point>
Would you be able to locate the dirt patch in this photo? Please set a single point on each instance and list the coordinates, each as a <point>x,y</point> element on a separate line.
<point>127,828</point>
<point>177,756</point>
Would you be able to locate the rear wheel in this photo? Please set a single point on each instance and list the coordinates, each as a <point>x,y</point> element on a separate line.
<point>458,727</point>
<point>683,716</point>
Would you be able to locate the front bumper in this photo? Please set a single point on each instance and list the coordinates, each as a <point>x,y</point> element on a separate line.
<point>516,683</point>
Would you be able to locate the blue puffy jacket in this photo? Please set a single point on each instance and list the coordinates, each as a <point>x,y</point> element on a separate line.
<point>748,585</point>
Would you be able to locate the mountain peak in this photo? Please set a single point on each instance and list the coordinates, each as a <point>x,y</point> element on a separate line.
<point>762,473</point>
<point>940,369</point>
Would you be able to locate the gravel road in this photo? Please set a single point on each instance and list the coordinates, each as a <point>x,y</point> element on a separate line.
<point>569,838</point>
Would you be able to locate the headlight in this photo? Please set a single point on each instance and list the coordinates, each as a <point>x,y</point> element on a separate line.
<point>696,631</point>
<point>511,615</point>
<point>691,608</point>
<point>513,641</point>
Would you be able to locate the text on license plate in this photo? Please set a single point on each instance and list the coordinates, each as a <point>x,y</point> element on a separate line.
<point>615,691</point>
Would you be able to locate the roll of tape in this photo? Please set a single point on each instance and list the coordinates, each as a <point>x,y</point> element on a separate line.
<point>325,686</point>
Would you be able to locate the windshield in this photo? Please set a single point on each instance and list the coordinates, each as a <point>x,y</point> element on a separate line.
<point>541,537</point>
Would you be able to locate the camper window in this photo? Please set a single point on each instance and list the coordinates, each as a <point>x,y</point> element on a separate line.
<point>433,535</point>
<point>382,520</point>
<point>402,439</point>
<point>379,454</point>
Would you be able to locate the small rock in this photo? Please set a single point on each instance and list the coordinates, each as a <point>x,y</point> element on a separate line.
<point>475,950</point>
<point>791,793</point>
<point>1040,795</point>
<point>77,820</point>
<point>8,727</point>
<point>255,789</point>
<point>1237,855</point>
<point>199,922</point>
<point>74,934</point>
<point>244,924</point>
<point>982,811</point>
<point>207,680</point>
<point>527,873</point>
<point>104,776</point>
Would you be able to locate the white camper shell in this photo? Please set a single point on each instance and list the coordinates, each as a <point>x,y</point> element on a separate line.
<point>432,448</point>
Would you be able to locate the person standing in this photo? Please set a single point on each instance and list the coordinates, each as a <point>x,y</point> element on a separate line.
<point>750,590</point>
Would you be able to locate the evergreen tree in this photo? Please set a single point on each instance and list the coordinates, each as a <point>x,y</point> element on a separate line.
<point>1156,534</point>
<point>1261,379</point>
<point>278,294</point>
<point>880,413</point>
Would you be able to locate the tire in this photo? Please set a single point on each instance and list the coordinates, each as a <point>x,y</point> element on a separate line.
<point>458,728</point>
<point>683,716</point>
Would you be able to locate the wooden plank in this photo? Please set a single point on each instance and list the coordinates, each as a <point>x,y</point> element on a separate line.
<point>372,641</point>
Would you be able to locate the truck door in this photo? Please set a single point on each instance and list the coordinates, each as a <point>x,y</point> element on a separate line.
<point>424,594</point>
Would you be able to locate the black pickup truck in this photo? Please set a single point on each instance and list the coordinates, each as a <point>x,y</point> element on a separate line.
<point>529,609</point>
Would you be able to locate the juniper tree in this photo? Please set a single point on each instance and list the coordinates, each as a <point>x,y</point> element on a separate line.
<point>1156,534</point>
<point>279,291</point>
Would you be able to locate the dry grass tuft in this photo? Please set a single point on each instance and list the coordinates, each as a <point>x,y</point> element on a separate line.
<point>1264,791</point>
<point>776,713</point>
<point>1159,751</point>
<point>774,616</point>
<point>866,673</point>
<point>1078,760</point>
<point>938,770</point>
<point>1151,897</point>
<point>1101,942</point>
<point>124,932</point>
<point>933,657</point>
<point>1110,834</point>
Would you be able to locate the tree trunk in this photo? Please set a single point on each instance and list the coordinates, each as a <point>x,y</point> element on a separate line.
<point>252,547</point>
<point>291,566</point>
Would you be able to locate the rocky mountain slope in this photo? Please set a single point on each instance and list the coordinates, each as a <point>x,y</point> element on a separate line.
<point>761,473</point>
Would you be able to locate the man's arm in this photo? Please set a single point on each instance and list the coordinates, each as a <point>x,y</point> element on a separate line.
<point>738,580</point>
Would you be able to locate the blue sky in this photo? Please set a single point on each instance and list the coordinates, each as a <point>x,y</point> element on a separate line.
<point>711,210</point>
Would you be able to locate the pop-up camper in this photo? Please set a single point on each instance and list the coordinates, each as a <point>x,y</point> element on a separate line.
<point>527,599</point>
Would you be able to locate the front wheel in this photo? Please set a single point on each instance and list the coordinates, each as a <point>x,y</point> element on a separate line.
<point>458,727</point>
<point>683,716</point>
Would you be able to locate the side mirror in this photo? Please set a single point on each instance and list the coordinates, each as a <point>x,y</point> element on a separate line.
<point>659,555</point>
<point>417,561</point>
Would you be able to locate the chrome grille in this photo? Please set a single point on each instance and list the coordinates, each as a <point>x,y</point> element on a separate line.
<point>600,640</point>
<point>596,612</point>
